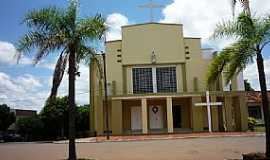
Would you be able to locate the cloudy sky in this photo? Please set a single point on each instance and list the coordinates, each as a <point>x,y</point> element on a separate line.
<point>25,86</point>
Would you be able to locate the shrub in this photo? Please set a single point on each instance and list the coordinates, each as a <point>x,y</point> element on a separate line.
<point>252,122</point>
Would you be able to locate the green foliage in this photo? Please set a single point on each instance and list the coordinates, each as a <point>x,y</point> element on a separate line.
<point>82,119</point>
<point>252,122</point>
<point>6,117</point>
<point>32,128</point>
<point>52,121</point>
<point>252,35</point>
<point>55,117</point>
<point>248,86</point>
<point>59,29</point>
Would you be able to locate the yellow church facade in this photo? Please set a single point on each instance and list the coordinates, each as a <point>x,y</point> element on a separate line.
<point>155,78</point>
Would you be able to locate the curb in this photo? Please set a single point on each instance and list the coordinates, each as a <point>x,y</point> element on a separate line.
<point>94,140</point>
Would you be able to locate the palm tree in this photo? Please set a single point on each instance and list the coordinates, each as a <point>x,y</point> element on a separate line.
<point>244,4</point>
<point>252,35</point>
<point>56,29</point>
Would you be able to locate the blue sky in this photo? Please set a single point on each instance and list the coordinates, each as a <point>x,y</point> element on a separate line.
<point>25,86</point>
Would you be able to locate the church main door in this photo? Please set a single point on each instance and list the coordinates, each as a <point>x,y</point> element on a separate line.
<point>156,117</point>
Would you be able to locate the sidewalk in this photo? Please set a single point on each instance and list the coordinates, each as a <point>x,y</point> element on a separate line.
<point>163,137</point>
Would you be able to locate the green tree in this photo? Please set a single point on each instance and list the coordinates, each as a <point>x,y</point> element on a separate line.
<point>248,86</point>
<point>54,115</point>
<point>32,128</point>
<point>6,117</point>
<point>82,118</point>
<point>56,29</point>
<point>252,35</point>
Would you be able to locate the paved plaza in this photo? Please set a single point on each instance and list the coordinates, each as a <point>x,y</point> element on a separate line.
<point>215,148</point>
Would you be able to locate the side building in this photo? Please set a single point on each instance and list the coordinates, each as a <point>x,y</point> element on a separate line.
<point>155,77</point>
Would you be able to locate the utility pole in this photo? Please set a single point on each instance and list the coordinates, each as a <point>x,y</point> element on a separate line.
<point>106,97</point>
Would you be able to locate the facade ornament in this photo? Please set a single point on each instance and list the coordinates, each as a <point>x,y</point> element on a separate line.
<point>153,57</point>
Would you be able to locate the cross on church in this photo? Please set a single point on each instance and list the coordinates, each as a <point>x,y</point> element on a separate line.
<point>151,6</point>
<point>209,104</point>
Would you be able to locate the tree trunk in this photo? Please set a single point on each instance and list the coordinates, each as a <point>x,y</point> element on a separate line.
<point>265,101</point>
<point>71,103</point>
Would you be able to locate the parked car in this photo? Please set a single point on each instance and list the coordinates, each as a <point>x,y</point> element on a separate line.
<point>12,138</point>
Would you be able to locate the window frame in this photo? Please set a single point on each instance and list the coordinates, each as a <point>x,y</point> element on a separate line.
<point>154,77</point>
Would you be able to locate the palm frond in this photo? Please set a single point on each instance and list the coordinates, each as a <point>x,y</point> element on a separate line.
<point>58,74</point>
<point>91,28</point>
<point>226,29</point>
<point>217,65</point>
<point>245,5</point>
<point>44,42</point>
<point>241,55</point>
<point>263,32</point>
<point>85,54</point>
<point>231,60</point>
<point>245,26</point>
<point>242,27</point>
<point>71,15</point>
<point>45,19</point>
<point>50,44</point>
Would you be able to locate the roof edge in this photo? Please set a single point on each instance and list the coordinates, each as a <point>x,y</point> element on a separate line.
<point>119,40</point>
<point>140,24</point>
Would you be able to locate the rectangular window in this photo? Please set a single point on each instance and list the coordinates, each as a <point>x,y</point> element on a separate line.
<point>142,80</point>
<point>156,79</point>
<point>166,79</point>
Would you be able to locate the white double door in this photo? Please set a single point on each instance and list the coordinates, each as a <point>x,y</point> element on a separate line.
<point>156,117</point>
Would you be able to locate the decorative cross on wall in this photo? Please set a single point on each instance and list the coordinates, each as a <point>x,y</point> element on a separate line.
<point>209,104</point>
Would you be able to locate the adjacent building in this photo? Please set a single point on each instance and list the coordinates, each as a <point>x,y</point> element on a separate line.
<point>155,78</point>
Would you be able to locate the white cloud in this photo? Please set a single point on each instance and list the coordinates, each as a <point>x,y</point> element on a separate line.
<point>200,18</point>
<point>114,22</point>
<point>82,85</point>
<point>22,92</point>
<point>251,73</point>
<point>8,52</point>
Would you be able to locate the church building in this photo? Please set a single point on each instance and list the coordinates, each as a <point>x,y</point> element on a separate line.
<point>156,83</point>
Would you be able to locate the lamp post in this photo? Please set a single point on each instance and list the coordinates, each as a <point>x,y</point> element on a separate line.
<point>106,97</point>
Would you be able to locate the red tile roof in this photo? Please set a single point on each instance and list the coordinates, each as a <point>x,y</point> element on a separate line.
<point>255,97</point>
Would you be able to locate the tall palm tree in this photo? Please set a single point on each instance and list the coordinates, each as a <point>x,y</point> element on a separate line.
<point>244,4</point>
<point>252,35</point>
<point>57,29</point>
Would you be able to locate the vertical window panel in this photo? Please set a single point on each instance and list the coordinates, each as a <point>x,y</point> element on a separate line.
<point>142,80</point>
<point>166,79</point>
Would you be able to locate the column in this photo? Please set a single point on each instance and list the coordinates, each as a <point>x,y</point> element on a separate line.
<point>214,113</point>
<point>228,113</point>
<point>117,123</point>
<point>144,116</point>
<point>169,115</point>
<point>197,115</point>
<point>99,115</point>
<point>244,112</point>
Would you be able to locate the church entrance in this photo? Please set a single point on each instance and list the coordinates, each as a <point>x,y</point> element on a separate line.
<point>177,123</point>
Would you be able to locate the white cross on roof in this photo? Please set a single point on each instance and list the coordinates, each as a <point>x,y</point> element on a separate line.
<point>151,6</point>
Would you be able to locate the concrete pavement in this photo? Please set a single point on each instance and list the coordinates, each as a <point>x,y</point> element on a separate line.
<point>216,148</point>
